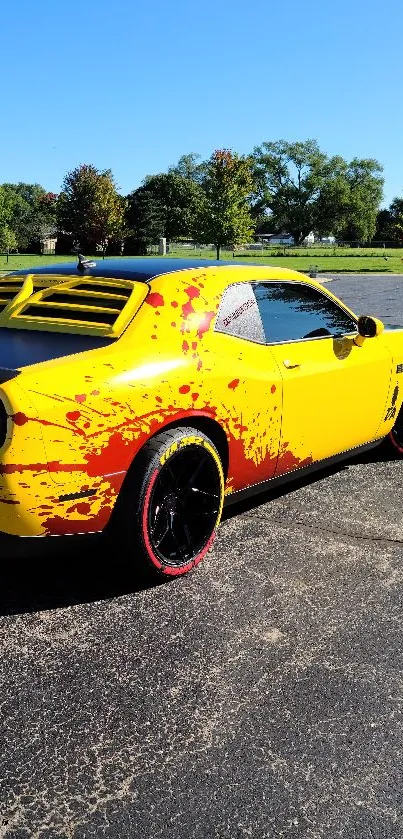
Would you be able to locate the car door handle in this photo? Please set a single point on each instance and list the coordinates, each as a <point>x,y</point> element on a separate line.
<point>290,364</point>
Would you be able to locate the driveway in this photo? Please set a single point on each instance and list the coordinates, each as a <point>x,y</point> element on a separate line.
<point>260,696</point>
<point>377,294</point>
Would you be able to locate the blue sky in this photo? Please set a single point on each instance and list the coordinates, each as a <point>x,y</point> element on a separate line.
<point>131,85</point>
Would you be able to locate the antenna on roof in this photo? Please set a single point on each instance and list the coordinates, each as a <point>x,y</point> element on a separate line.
<point>84,263</point>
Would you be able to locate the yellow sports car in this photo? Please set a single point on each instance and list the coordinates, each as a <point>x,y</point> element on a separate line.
<point>146,392</point>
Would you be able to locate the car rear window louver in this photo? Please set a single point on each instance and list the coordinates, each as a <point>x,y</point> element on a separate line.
<point>60,303</point>
<point>9,288</point>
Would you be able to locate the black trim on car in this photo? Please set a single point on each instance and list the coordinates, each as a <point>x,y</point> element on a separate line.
<point>264,486</point>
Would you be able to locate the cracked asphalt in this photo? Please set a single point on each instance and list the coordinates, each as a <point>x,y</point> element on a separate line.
<point>260,696</point>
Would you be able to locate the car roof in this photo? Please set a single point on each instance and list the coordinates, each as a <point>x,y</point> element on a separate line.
<point>140,269</point>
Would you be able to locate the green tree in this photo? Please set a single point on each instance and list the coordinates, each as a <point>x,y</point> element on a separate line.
<point>189,167</point>
<point>89,208</point>
<point>365,190</point>
<point>396,212</point>
<point>305,190</point>
<point>8,240</point>
<point>389,225</point>
<point>224,217</point>
<point>4,215</point>
<point>288,178</point>
<point>31,213</point>
<point>164,205</point>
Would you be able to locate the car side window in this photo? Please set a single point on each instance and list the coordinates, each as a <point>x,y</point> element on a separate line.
<point>294,311</point>
<point>238,314</point>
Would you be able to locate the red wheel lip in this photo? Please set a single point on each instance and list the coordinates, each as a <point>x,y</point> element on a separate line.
<point>394,442</point>
<point>169,570</point>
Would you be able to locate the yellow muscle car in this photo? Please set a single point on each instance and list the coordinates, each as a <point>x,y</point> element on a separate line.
<point>149,391</point>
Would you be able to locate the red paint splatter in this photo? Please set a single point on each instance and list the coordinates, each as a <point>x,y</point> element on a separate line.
<point>153,336</point>
<point>95,393</point>
<point>192,291</point>
<point>58,526</point>
<point>243,470</point>
<point>73,416</point>
<point>184,389</point>
<point>273,388</point>
<point>194,345</point>
<point>82,507</point>
<point>19,418</point>
<point>199,364</point>
<point>52,466</point>
<point>154,299</point>
<point>174,304</point>
<point>232,385</point>
<point>158,399</point>
<point>241,428</point>
<point>204,324</point>
<point>173,323</point>
<point>185,346</point>
<point>80,397</point>
<point>187,309</point>
<point>115,456</point>
<point>195,396</point>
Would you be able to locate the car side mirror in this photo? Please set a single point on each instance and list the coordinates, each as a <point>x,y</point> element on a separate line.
<point>369,327</point>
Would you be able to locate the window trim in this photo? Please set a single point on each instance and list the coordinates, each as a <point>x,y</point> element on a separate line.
<point>295,283</point>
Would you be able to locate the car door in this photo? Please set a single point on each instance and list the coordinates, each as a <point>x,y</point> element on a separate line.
<point>251,411</point>
<point>334,392</point>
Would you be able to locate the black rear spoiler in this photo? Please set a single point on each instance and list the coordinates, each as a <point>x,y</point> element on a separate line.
<point>6,374</point>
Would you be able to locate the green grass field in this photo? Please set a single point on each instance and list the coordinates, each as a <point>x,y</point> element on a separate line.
<point>333,260</point>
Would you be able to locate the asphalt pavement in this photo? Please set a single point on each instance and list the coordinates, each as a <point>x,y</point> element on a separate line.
<point>260,696</point>
<point>376,294</point>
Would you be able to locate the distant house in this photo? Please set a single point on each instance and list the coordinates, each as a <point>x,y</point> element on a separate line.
<point>309,239</point>
<point>48,244</point>
<point>277,238</point>
<point>284,239</point>
<point>48,240</point>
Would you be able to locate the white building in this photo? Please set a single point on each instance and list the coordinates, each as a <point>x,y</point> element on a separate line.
<point>285,239</point>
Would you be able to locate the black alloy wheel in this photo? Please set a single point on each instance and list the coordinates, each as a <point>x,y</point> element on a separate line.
<point>173,502</point>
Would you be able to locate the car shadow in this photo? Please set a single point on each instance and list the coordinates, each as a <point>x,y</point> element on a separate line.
<point>56,572</point>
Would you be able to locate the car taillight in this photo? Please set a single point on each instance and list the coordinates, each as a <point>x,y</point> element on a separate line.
<point>3,423</point>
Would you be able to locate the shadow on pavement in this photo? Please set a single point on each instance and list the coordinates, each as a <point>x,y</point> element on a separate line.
<point>56,572</point>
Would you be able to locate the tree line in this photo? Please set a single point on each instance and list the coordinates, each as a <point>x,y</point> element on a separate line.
<point>225,200</point>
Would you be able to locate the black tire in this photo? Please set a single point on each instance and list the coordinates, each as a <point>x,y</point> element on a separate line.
<point>172,502</point>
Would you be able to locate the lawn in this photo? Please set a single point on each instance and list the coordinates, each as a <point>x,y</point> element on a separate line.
<point>331,259</point>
